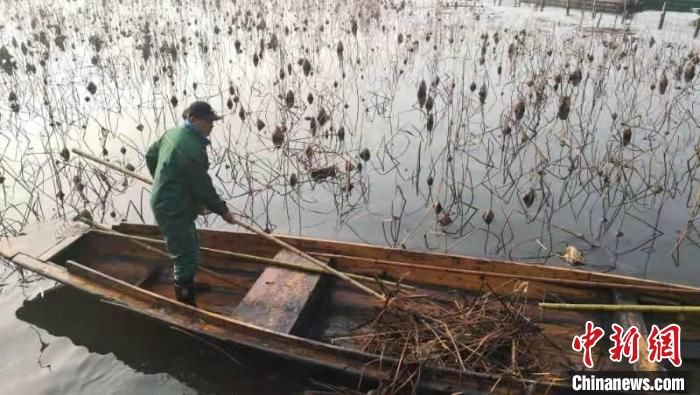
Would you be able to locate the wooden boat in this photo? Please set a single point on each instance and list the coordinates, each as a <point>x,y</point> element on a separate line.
<point>296,314</point>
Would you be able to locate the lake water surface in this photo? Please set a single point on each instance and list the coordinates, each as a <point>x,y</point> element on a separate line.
<point>555,127</point>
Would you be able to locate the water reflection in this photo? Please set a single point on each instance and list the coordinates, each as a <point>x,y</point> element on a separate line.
<point>151,347</point>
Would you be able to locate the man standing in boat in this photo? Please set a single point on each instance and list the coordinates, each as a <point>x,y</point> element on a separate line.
<point>182,188</point>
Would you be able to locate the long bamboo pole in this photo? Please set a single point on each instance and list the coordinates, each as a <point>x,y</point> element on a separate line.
<point>260,233</point>
<point>112,166</point>
<point>641,308</point>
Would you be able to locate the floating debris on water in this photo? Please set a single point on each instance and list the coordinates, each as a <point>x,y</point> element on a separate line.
<point>289,99</point>
<point>573,256</point>
<point>364,154</point>
<point>444,219</point>
<point>529,197</point>
<point>564,108</point>
<point>92,88</point>
<point>321,174</point>
<point>663,84</point>
<point>488,216</point>
<point>519,110</point>
<point>278,135</point>
<point>422,91</point>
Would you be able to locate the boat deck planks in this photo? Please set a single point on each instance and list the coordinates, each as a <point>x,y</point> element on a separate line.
<point>125,270</point>
<point>280,297</point>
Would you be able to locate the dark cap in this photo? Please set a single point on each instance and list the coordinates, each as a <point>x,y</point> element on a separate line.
<point>201,110</point>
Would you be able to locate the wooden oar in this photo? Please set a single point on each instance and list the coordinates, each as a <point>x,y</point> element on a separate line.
<point>260,233</point>
<point>642,308</point>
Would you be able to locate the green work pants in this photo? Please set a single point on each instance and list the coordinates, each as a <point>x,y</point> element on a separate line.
<point>182,240</point>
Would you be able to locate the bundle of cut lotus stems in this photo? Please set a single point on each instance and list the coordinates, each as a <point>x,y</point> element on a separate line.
<point>486,333</point>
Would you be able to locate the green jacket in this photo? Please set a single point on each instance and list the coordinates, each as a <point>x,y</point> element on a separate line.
<point>178,163</point>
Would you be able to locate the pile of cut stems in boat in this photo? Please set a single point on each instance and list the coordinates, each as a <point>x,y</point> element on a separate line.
<point>485,333</point>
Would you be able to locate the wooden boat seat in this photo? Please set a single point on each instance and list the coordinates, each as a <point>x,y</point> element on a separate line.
<point>281,299</point>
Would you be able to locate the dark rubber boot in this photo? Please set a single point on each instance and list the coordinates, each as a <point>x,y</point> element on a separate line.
<point>185,293</point>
